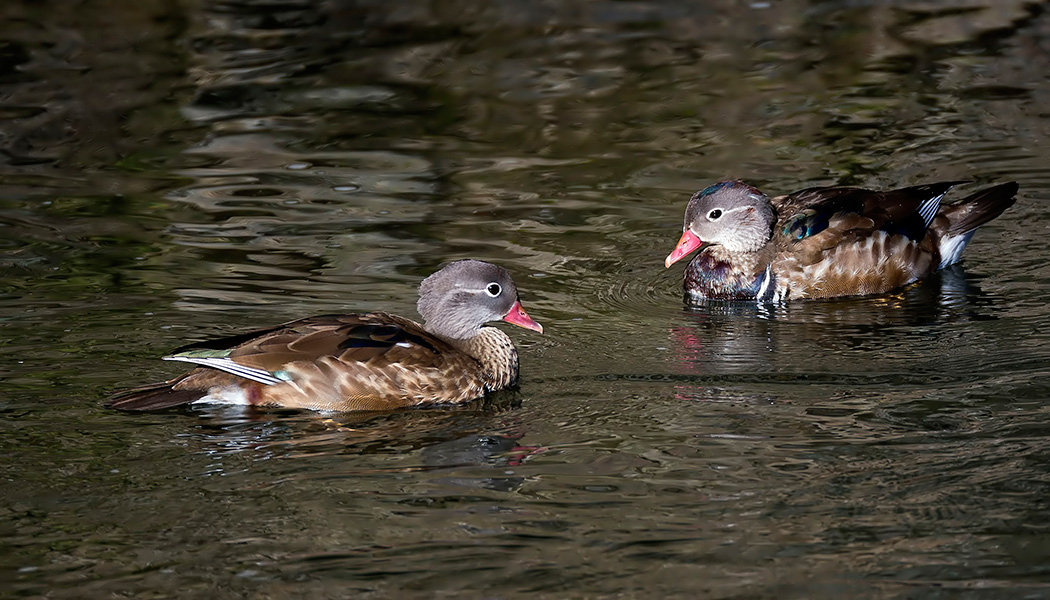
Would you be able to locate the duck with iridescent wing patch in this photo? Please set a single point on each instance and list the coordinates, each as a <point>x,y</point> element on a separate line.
<point>373,361</point>
<point>825,242</point>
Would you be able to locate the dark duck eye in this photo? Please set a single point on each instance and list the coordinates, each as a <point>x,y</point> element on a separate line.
<point>493,289</point>
<point>714,214</point>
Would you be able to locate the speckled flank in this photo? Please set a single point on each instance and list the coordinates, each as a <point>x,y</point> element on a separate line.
<point>487,362</point>
<point>872,265</point>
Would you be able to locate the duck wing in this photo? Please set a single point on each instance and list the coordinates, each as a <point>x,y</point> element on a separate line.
<point>905,211</point>
<point>372,339</point>
<point>356,361</point>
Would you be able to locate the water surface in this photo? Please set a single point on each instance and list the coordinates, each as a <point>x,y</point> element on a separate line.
<point>172,172</point>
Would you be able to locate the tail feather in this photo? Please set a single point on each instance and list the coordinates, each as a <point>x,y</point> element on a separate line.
<point>976,210</point>
<point>153,396</point>
<point>967,215</point>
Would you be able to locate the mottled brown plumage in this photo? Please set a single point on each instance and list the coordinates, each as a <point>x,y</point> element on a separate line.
<point>825,242</point>
<point>373,361</point>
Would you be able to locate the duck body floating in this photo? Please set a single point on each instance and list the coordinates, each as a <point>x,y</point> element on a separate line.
<point>825,242</point>
<point>371,361</point>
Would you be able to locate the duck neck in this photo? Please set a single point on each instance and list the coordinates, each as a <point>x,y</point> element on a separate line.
<point>496,353</point>
<point>719,274</point>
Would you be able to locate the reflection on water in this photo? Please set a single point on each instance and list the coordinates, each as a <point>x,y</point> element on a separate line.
<point>173,172</point>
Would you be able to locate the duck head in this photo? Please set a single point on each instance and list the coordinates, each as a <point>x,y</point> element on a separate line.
<point>731,214</point>
<point>458,300</point>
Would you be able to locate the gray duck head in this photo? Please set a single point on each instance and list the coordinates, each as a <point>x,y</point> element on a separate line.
<point>456,301</point>
<point>731,214</point>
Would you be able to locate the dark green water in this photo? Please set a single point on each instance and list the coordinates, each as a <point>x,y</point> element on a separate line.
<point>171,171</point>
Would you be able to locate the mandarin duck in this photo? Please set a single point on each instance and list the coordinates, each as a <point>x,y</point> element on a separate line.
<point>825,242</point>
<point>371,361</point>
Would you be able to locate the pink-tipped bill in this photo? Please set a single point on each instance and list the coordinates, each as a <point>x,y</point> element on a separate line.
<point>519,317</point>
<point>687,244</point>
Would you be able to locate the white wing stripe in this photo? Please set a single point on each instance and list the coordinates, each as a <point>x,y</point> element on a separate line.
<point>227,365</point>
<point>928,209</point>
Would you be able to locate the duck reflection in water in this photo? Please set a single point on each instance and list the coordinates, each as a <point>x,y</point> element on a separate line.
<point>724,348</point>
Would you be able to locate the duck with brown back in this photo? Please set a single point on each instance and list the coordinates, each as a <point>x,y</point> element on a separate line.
<point>825,242</point>
<point>371,361</point>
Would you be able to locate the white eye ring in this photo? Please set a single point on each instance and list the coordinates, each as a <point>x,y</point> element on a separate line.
<point>493,289</point>
<point>715,214</point>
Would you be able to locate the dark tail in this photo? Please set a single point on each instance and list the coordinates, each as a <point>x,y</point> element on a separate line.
<point>153,397</point>
<point>965,216</point>
<point>976,210</point>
